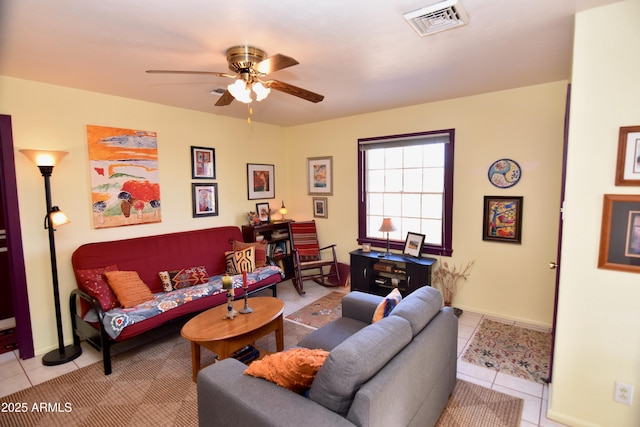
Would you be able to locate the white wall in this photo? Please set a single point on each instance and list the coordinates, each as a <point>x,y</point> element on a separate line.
<point>598,333</point>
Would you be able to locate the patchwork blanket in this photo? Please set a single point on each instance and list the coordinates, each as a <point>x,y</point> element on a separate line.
<point>116,319</point>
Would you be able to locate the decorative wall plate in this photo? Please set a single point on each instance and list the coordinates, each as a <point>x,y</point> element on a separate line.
<point>504,173</point>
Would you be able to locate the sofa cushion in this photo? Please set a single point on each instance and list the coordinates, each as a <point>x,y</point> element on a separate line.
<point>239,261</point>
<point>294,369</point>
<point>356,360</point>
<point>332,334</point>
<point>260,250</point>
<point>183,278</point>
<point>128,287</point>
<point>386,305</point>
<point>93,282</point>
<point>419,307</point>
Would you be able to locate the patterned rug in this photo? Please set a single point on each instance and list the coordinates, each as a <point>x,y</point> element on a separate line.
<point>473,405</point>
<point>513,350</point>
<point>321,311</point>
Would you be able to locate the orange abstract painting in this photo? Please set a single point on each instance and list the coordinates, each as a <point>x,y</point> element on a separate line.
<point>125,187</point>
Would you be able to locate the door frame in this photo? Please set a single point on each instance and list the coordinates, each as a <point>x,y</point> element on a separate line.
<point>17,272</point>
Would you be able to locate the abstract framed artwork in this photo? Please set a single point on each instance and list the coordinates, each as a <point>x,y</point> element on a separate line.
<point>260,181</point>
<point>620,233</point>
<point>320,175</point>
<point>413,244</point>
<point>124,172</point>
<point>203,163</point>
<point>502,219</point>
<point>628,166</point>
<point>204,199</point>
<point>320,208</point>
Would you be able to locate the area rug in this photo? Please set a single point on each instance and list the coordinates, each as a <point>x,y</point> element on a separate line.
<point>151,386</point>
<point>473,405</point>
<point>321,311</point>
<point>513,350</point>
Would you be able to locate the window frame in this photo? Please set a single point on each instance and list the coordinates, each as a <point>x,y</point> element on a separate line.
<point>447,219</point>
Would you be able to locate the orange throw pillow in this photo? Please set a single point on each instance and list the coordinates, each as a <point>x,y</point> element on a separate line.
<point>294,369</point>
<point>260,249</point>
<point>128,287</point>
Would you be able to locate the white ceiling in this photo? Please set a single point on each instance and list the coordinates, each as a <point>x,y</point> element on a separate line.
<point>360,54</point>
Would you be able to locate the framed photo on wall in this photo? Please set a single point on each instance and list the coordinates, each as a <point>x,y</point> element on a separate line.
<point>628,166</point>
<point>203,163</point>
<point>205,199</point>
<point>320,175</point>
<point>502,219</point>
<point>261,181</point>
<point>320,208</point>
<point>620,233</point>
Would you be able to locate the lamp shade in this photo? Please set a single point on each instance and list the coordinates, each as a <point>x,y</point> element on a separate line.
<point>240,91</point>
<point>57,217</point>
<point>283,210</point>
<point>387,226</point>
<point>44,157</point>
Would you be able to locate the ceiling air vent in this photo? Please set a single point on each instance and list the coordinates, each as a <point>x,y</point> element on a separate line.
<point>218,91</point>
<point>438,17</point>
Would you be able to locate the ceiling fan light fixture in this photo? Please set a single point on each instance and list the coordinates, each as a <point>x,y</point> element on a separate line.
<point>240,91</point>
<point>261,91</point>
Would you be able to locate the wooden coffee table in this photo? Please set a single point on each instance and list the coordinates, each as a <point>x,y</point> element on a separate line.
<point>223,336</point>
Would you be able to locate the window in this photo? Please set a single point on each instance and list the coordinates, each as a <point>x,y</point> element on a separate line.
<point>408,178</point>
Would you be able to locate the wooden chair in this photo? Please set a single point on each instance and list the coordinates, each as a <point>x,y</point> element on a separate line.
<point>307,256</point>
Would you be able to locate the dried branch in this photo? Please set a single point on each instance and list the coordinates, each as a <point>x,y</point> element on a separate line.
<point>448,280</point>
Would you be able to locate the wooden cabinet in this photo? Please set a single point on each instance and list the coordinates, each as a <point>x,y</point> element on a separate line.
<point>379,275</point>
<point>278,243</point>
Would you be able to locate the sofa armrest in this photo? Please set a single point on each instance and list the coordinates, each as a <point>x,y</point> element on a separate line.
<point>228,397</point>
<point>360,306</point>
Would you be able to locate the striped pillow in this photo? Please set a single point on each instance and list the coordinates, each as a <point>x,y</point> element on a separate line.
<point>239,261</point>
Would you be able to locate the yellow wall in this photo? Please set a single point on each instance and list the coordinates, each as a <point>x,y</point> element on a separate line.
<point>525,124</point>
<point>51,117</point>
<point>598,333</point>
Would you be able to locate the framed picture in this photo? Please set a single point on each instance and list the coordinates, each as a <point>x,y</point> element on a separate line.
<point>203,163</point>
<point>320,208</point>
<point>264,212</point>
<point>320,175</point>
<point>261,181</point>
<point>628,167</point>
<point>502,219</point>
<point>620,233</point>
<point>205,200</point>
<point>413,244</point>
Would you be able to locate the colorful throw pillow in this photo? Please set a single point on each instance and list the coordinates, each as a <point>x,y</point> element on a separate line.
<point>183,278</point>
<point>260,250</point>
<point>93,282</point>
<point>386,305</point>
<point>239,261</point>
<point>294,369</point>
<point>128,287</point>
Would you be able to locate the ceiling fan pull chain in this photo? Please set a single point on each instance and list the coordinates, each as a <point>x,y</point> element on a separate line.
<point>250,113</point>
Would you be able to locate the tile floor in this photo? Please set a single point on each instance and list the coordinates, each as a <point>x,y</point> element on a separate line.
<point>17,374</point>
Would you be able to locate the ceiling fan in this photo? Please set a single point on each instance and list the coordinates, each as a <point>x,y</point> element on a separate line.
<point>250,65</point>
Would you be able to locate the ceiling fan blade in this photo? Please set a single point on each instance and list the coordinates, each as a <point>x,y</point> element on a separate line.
<point>295,91</point>
<point>274,63</point>
<point>207,73</point>
<point>225,99</point>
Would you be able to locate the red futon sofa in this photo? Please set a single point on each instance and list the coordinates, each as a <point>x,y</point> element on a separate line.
<point>195,261</point>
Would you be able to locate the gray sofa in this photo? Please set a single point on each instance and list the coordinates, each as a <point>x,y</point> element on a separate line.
<point>399,371</point>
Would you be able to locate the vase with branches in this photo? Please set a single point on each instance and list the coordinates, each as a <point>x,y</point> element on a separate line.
<point>448,279</point>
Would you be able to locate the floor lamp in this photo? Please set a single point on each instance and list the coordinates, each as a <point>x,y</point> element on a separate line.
<point>46,160</point>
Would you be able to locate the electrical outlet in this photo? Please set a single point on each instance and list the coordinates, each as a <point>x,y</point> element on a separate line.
<point>623,393</point>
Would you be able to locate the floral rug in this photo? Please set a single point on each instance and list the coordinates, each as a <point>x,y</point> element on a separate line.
<point>321,311</point>
<point>513,350</point>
